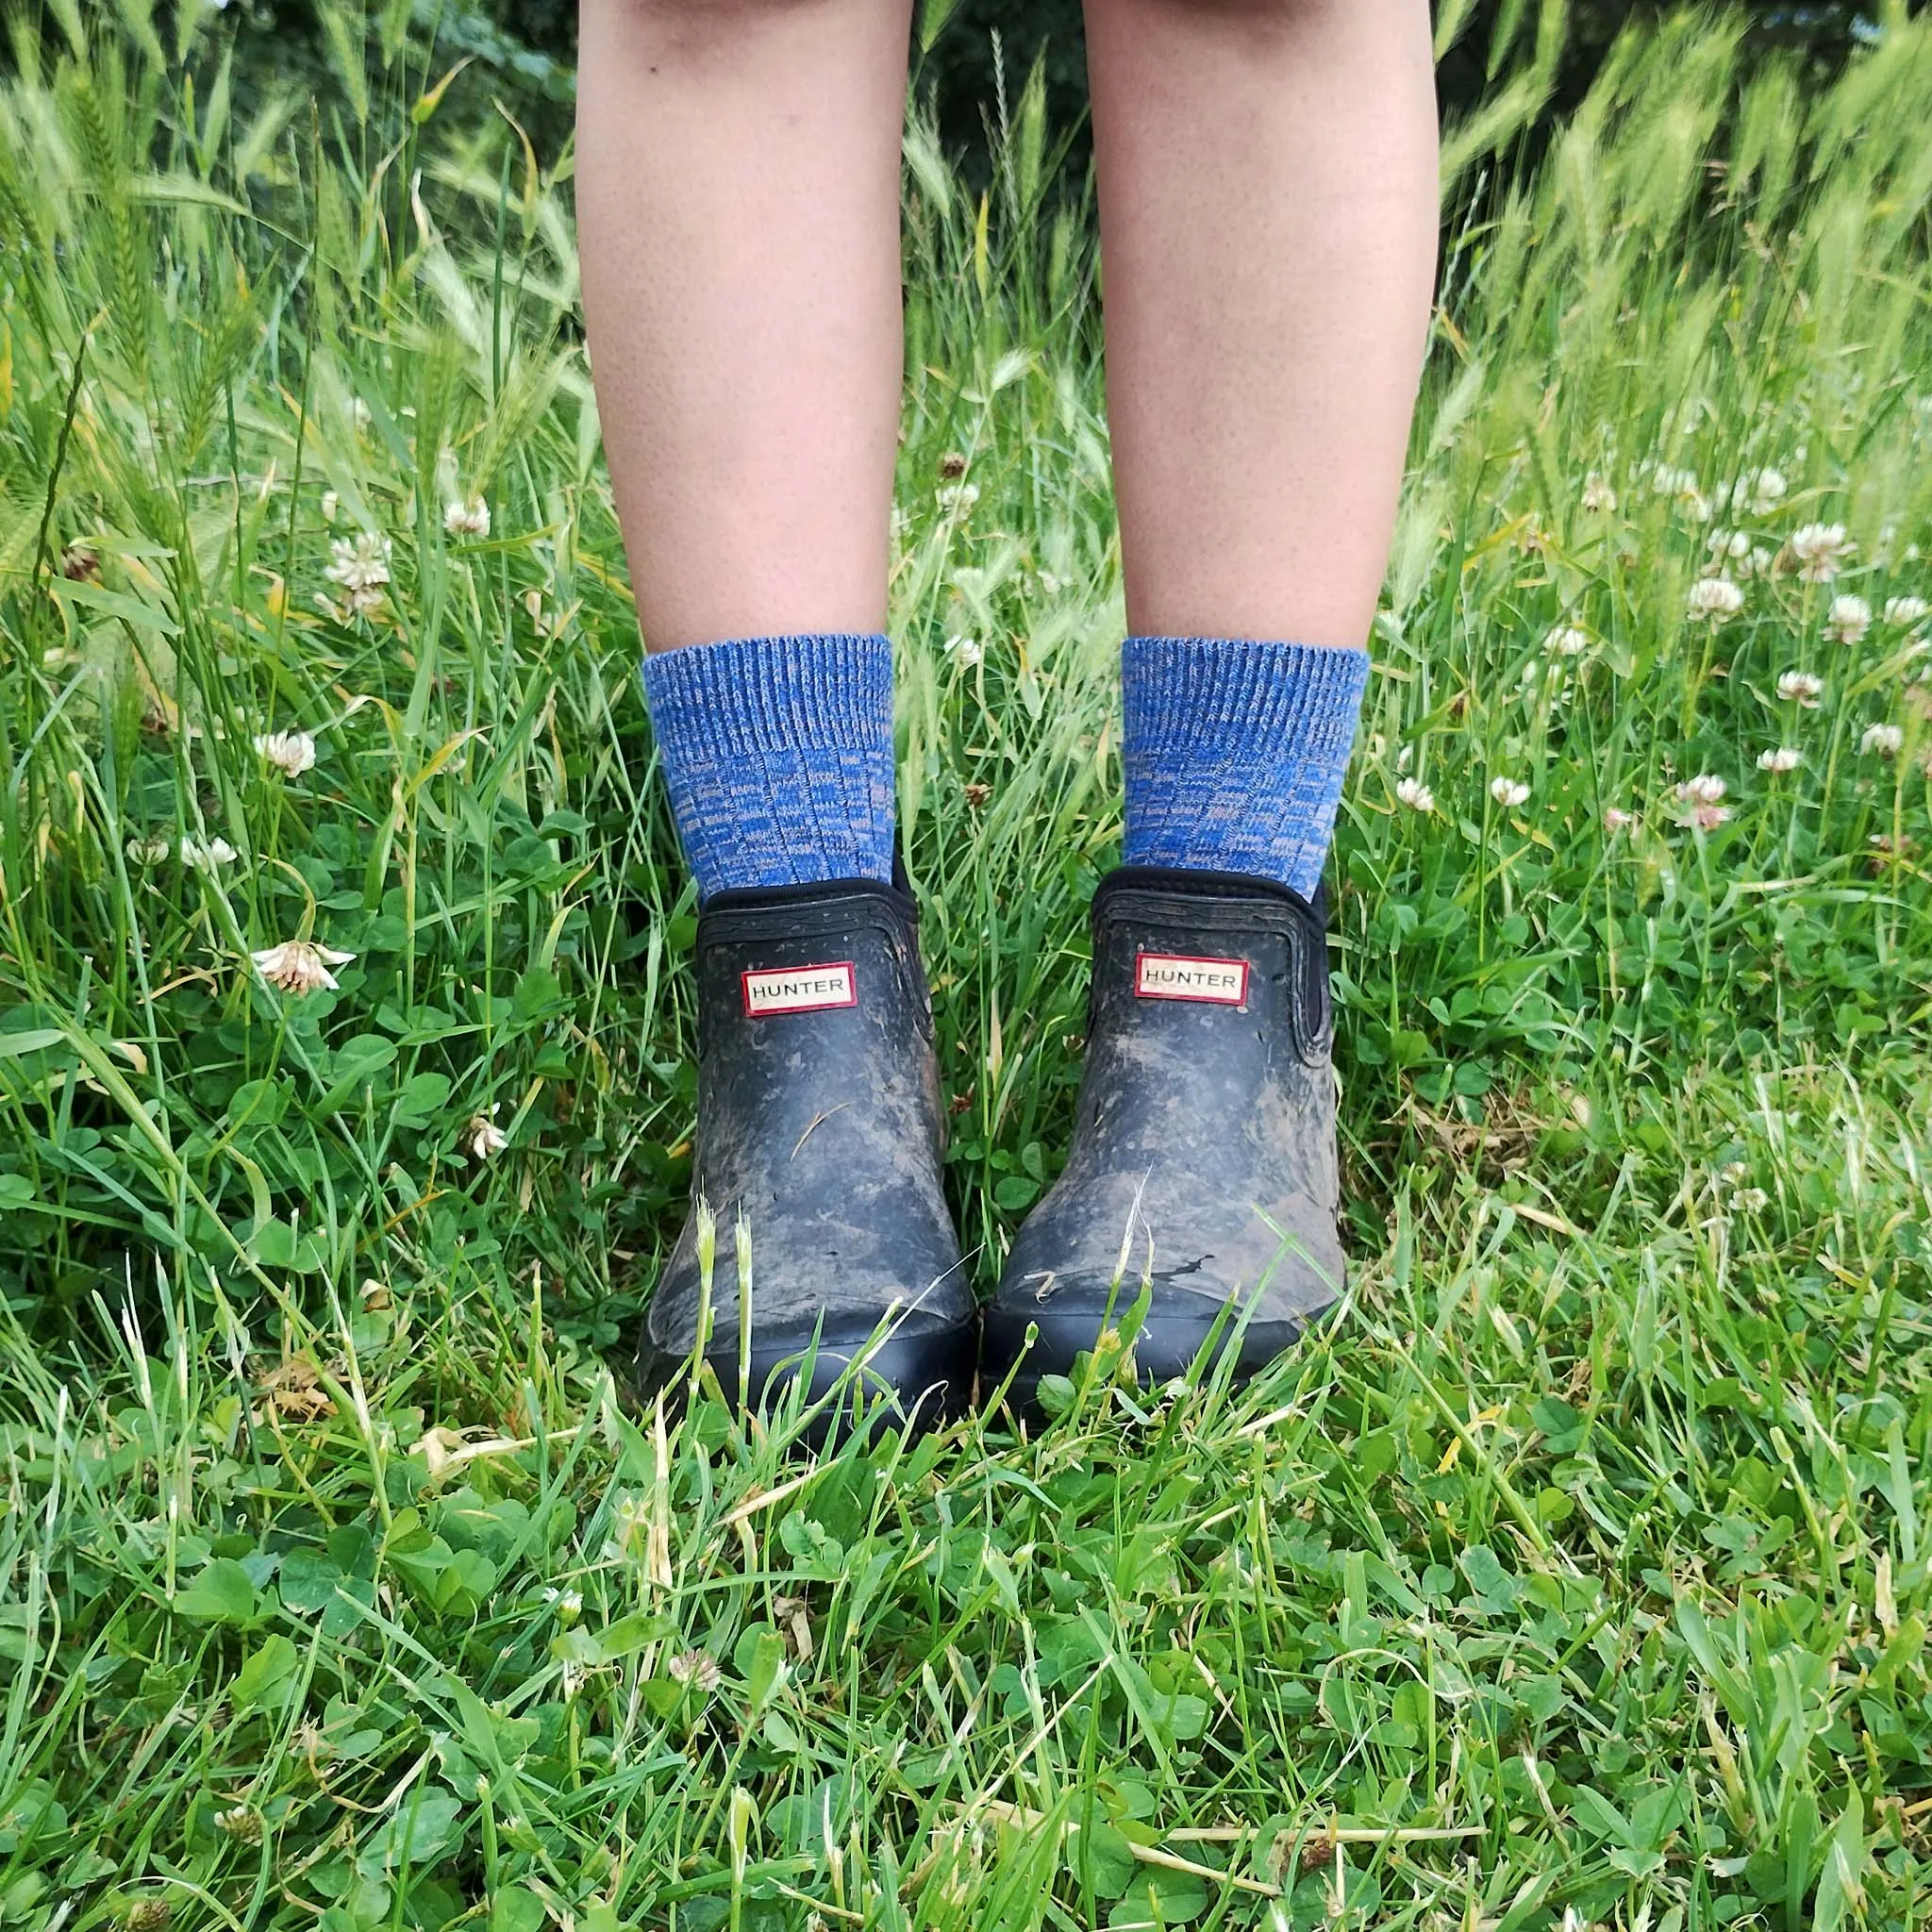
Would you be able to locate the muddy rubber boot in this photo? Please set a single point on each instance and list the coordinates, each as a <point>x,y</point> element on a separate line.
<point>1204,1152</point>
<point>819,1122</point>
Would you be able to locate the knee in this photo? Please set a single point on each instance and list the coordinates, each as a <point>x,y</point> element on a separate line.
<point>693,27</point>
<point>1268,20</point>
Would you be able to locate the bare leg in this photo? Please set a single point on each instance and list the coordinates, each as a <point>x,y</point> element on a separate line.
<point>737,197</point>
<point>1268,210</point>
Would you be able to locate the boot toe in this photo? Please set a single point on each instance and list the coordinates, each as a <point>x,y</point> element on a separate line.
<point>1068,1320</point>
<point>918,1370</point>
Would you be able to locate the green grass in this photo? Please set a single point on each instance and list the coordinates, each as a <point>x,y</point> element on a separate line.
<point>1579,1572</point>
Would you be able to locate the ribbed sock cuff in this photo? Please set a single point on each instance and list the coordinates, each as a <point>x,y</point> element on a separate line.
<point>1235,752</point>
<point>778,753</point>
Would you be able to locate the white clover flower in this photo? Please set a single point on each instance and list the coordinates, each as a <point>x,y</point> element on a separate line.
<point>1884,739</point>
<point>300,966</point>
<point>1702,798</point>
<point>330,504</point>
<point>1415,794</point>
<point>466,519</point>
<point>1849,620</point>
<point>695,1667</point>
<point>1681,486</point>
<point>149,851</point>
<point>1819,549</point>
<point>1762,561</point>
<point>1617,820</point>
<point>1597,494</point>
<point>568,1604</point>
<point>1507,792</point>
<point>292,752</point>
<point>1716,600</point>
<point>359,563</point>
<point>1906,610</point>
<point>1566,641</point>
<point>482,1136</point>
<point>1801,688</point>
<point>241,1822</point>
<point>966,650</point>
<point>1780,758</point>
<point>1759,490</point>
<point>205,857</point>
<point>1729,547</point>
<point>956,499</point>
<point>1750,1201</point>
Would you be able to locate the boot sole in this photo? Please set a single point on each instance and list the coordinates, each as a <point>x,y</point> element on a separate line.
<point>923,1380</point>
<point>1167,1345</point>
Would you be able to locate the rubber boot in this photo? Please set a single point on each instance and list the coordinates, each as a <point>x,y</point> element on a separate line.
<point>820,1124</point>
<point>1204,1151</point>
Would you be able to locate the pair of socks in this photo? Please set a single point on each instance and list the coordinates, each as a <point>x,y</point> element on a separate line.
<point>778,755</point>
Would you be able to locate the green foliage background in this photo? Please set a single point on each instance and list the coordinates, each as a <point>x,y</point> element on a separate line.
<point>968,53</point>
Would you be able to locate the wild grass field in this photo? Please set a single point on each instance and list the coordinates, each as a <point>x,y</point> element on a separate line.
<point>1577,1575</point>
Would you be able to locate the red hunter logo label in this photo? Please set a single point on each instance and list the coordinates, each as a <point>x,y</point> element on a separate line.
<point>1173,976</point>
<point>799,990</point>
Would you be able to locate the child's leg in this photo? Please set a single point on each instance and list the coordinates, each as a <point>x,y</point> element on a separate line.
<point>738,201</point>
<point>738,197</point>
<point>1268,209</point>
<point>738,208</point>
<point>1268,220</point>
<point>1268,213</point>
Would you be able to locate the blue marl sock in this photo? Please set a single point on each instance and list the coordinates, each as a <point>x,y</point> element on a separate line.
<point>778,756</point>
<point>1235,752</point>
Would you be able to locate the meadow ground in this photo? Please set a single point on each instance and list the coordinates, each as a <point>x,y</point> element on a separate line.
<point>1578,1572</point>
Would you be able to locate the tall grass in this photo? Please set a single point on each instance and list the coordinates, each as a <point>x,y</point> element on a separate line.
<point>1581,1567</point>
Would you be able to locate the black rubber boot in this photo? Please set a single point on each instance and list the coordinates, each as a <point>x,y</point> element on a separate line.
<point>819,1122</point>
<point>1204,1153</point>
